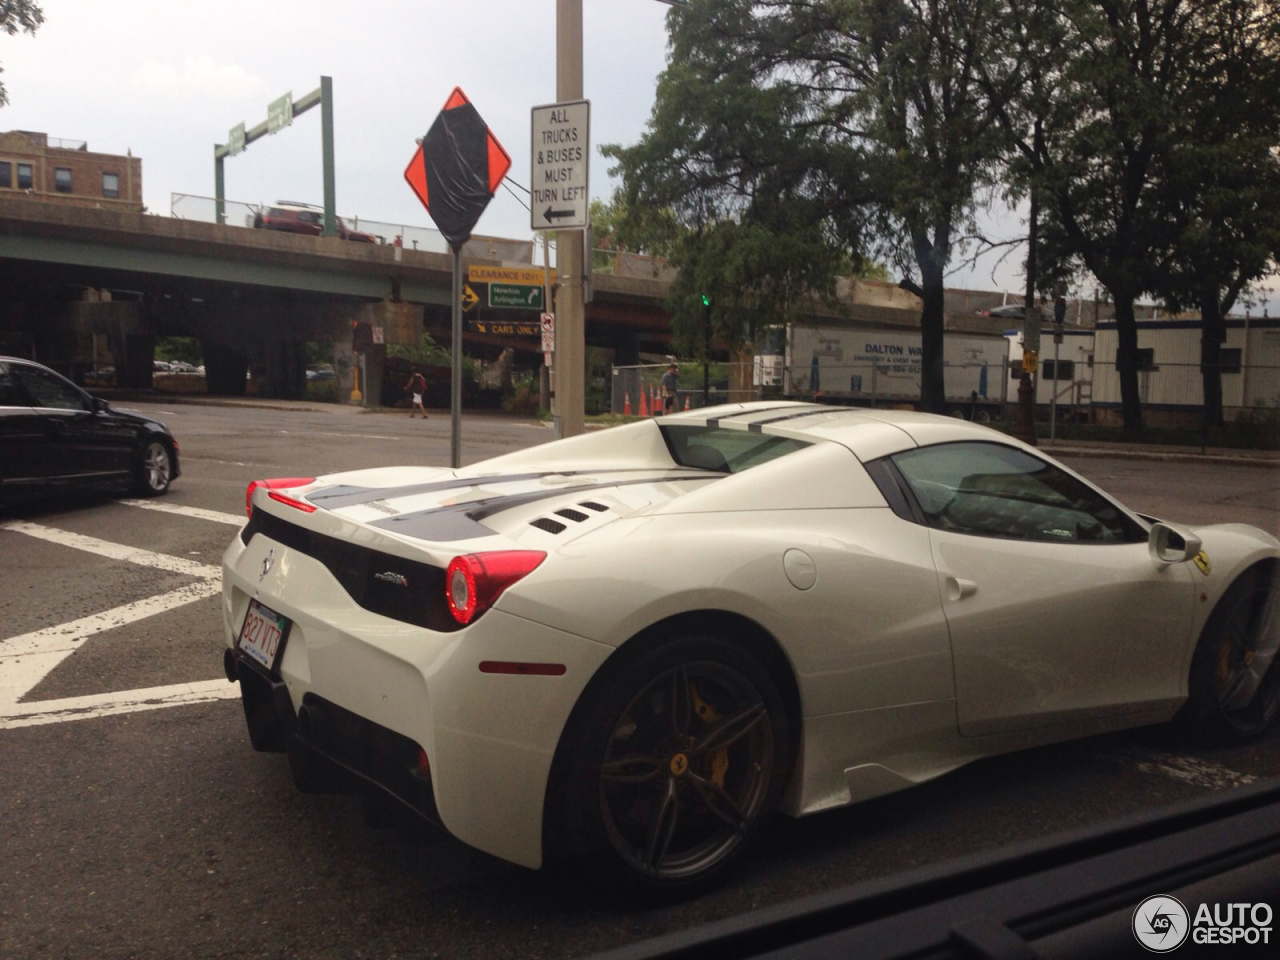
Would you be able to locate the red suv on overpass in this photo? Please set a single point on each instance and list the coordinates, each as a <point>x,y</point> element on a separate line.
<point>303,218</point>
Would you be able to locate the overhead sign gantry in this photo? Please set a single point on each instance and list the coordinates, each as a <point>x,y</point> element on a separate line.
<point>280,114</point>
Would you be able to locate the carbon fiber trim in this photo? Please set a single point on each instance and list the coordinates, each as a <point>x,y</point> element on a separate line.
<point>393,587</point>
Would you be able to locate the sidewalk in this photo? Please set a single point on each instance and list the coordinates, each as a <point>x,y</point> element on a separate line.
<point>1229,456</point>
<point>1057,448</point>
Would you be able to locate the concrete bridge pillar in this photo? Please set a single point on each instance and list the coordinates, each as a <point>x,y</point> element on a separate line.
<point>224,368</point>
<point>130,339</point>
<point>626,349</point>
<point>280,370</point>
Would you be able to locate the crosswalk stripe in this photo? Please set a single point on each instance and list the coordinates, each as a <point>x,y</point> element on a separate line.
<point>198,513</point>
<point>114,551</point>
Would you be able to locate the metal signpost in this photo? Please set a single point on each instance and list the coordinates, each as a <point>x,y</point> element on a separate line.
<point>454,172</point>
<point>560,147</point>
<point>280,114</point>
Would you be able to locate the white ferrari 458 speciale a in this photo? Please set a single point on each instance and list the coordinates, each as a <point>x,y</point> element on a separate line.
<point>629,648</point>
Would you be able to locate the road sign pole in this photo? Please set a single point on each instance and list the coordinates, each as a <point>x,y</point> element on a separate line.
<point>455,384</point>
<point>570,387</point>
<point>1053,401</point>
<point>219,186</point>
<point>326,151</point>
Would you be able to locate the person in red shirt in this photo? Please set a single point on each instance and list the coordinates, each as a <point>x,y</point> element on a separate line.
<point>417,387</point>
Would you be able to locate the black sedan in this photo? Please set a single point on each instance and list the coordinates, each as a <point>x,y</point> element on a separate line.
<point>53,433</point>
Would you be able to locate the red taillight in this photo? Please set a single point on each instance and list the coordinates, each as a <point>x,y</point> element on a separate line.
<point>474,581</point>
<point>290,502</point>
<point>278,483</point>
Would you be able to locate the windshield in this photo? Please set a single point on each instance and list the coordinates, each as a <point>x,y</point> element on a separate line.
<point>725,451</point>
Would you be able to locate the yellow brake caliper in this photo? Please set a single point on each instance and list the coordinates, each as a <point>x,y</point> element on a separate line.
<point>720,759</point>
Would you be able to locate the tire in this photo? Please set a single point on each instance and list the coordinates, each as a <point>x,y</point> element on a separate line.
<point>153,469</point>
<point>670,764</point>
<point>1235,684</point>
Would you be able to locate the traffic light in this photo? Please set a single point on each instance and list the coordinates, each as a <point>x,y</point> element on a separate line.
<point>706,300</point>
<point>361,337</point>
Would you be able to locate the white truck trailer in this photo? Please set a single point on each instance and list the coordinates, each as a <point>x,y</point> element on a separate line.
<point>882,367</point>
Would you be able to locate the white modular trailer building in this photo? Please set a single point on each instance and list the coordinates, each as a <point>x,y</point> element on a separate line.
<point>1169,376</point>
<point>871,366</point>
<point>1069,378</point>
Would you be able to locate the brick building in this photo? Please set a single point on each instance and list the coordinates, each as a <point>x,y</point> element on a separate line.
<point>64,171</point>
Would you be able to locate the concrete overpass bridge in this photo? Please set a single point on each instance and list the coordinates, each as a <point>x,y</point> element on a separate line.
<point>77,280</point>
<point>251,296</point>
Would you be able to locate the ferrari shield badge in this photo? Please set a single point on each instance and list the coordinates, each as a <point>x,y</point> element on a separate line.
<point>1202,561</point>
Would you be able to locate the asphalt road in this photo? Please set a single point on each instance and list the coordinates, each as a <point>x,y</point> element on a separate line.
<point>138,822</point>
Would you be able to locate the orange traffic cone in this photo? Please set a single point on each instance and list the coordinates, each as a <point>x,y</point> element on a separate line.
<point>686,401</point>
<point>644,402</point>
<point>626,404</point>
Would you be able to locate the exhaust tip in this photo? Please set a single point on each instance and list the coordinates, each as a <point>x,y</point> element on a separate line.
<point>308,722</point>
<point>229,666</point>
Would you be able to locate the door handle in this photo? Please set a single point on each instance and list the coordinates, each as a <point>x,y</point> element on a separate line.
<point>958,589</point>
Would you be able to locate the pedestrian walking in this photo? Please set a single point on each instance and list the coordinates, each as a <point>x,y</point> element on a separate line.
<point>417,387</point>
<point>668,385</point>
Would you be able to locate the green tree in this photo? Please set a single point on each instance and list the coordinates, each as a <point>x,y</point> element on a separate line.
<point>1112,110</point>
<point>792,138</point>
<point>1222,181</point>
<point>18,15</point>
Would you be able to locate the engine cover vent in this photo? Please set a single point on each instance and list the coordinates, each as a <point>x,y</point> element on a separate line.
<point>547,524</point>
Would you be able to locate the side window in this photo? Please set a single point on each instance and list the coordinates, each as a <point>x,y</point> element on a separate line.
<point>48,389</point>
<point>988,489</point>
<point>9,394</point>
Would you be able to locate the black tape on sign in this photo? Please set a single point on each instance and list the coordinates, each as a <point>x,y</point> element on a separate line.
<point>456,153</point>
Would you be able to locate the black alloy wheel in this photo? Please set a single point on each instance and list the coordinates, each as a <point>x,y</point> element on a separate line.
<point>1235,686</point>
<point>685,753</point>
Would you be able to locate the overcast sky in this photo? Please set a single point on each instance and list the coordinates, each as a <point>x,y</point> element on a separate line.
<point>167,79</point>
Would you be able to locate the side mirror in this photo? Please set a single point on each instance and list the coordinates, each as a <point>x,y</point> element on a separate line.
<point>100,405</point>
<point>1170,544</point>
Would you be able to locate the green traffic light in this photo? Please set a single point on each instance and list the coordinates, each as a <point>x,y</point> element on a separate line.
<point>706,301</point>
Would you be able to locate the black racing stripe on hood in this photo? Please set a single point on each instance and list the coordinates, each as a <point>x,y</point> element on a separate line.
<point>461,521</point>
<point>337,497</point>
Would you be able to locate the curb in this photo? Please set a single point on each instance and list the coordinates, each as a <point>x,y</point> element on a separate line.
<point>1163,456</point>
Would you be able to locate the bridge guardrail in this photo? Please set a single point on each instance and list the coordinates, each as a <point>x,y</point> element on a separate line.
<point>185,206</point>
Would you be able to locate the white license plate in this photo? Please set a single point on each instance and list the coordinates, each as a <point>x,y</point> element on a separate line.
<point>262,635</point>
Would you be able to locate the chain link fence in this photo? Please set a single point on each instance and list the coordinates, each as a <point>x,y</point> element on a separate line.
<point>185,206</point>
<point>638,388</point>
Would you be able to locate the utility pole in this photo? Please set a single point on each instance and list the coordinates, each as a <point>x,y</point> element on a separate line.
<point>1024,420</point>
<point>569,395</point>
<point>706,350</point>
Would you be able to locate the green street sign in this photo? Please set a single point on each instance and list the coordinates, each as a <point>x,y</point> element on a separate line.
<point>235,139</point>
<point>280,113</point>
<point>515,295</point>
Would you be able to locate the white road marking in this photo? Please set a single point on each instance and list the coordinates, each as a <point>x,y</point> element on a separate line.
<point>199,513</point>
<point>359,436</point>
<point>114,551</point>
<point>1192,770</point>
<point>110,704</point>
<point>27,659</point>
